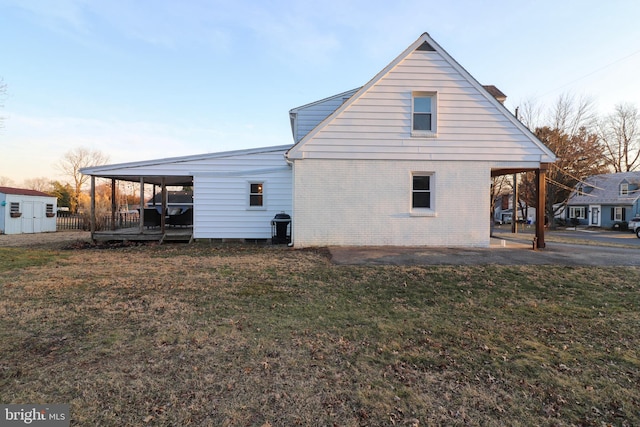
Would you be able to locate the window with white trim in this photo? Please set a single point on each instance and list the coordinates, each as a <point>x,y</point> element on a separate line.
<point>423,114</point>
<point>256,195</point>
<point>618,213</point>
<point>624,189</point>
<point>577,212</point>
<point>422,192</point>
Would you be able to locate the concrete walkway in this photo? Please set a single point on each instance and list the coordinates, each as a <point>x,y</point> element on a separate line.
<point>503,250</point>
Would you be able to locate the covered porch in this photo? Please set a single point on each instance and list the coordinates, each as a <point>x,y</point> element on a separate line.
<point>156,224</point>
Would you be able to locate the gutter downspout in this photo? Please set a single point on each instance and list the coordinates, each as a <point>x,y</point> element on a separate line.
<point>293,200</point>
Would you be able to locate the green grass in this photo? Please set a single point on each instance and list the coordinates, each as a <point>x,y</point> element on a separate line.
<point>17,258</point>
<point>254,336</point>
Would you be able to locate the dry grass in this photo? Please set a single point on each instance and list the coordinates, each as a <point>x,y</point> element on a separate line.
<point>262,336</point>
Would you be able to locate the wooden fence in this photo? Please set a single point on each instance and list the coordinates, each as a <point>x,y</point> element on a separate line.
<point>81,222</point>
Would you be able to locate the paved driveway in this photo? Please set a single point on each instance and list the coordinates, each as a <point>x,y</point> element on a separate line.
<point>563,248</point>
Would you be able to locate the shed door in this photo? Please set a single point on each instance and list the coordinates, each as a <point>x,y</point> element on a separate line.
<point>27,217</point>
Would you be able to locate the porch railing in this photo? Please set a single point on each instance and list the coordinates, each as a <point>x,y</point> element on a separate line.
<point>104,222</point>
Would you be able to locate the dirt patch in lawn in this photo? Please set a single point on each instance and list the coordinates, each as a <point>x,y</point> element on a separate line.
<point>44,240</point>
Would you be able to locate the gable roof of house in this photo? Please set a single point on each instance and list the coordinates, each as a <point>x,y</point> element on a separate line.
<point>605,190</point>
<point>23,192</point>
<point>426,43</point>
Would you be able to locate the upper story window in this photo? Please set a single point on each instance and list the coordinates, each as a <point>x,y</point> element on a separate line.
<point>624,189</point>
<point>256,194</point>
<point>423,121</point>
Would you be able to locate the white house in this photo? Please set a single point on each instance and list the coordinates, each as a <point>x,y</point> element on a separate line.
<point>408,158</point>
<point>405,160</point>
<point>26,211</point>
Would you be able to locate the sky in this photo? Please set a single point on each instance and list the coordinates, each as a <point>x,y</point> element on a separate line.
<point>140,80</point>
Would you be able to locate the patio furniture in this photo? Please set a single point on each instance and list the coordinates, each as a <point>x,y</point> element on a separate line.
<point>152,217</point>
<point>184,219</point>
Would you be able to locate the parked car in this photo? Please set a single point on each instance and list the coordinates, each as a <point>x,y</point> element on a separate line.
<point>634,225</point>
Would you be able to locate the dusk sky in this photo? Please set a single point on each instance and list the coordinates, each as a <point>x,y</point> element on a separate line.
<point>141,80</point>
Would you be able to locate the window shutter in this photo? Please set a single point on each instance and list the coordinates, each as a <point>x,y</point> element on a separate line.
<point>624,214</point>
<point>613,214</point>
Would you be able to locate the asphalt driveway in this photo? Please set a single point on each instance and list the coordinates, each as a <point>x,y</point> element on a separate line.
<point>563,248</point>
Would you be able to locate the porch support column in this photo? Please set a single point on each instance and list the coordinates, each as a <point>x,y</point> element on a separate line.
<point>163,215</point>
<point>541,187</point>
<point>92,213</point>
<point>141,205</point>
<point>113,203</point>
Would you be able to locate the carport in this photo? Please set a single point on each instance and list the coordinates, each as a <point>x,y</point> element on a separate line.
<point>541,197</point>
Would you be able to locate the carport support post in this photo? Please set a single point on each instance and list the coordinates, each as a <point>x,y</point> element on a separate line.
<point>541,186</point>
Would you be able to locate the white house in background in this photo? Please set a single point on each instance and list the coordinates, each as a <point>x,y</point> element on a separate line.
<point>408,158</point>
<point>26,211</point>
<point>405,160</point>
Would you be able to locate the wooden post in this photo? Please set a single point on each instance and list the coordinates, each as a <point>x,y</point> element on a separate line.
<point>541,186</point>
<point>113,203</point>
<point>163,215</point>
<point>141,205</point>
<point>92,209</point>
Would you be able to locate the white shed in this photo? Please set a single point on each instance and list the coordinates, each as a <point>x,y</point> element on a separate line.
<point>26,211</point>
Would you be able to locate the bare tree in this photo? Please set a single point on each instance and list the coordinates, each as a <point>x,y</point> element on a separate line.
<point>39,184</point>
<point>5,181</point>
<point>620,137</point>
<point>72,162</point>
<point>570,134</point>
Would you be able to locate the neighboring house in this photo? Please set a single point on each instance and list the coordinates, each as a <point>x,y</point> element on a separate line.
<point>26,211</point>
<point>405,160</point>
<point>603,200</point>
<point>503,210</point>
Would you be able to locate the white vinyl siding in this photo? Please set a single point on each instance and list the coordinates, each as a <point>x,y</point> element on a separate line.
<point>222,193</point>
<point>471,126</point>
